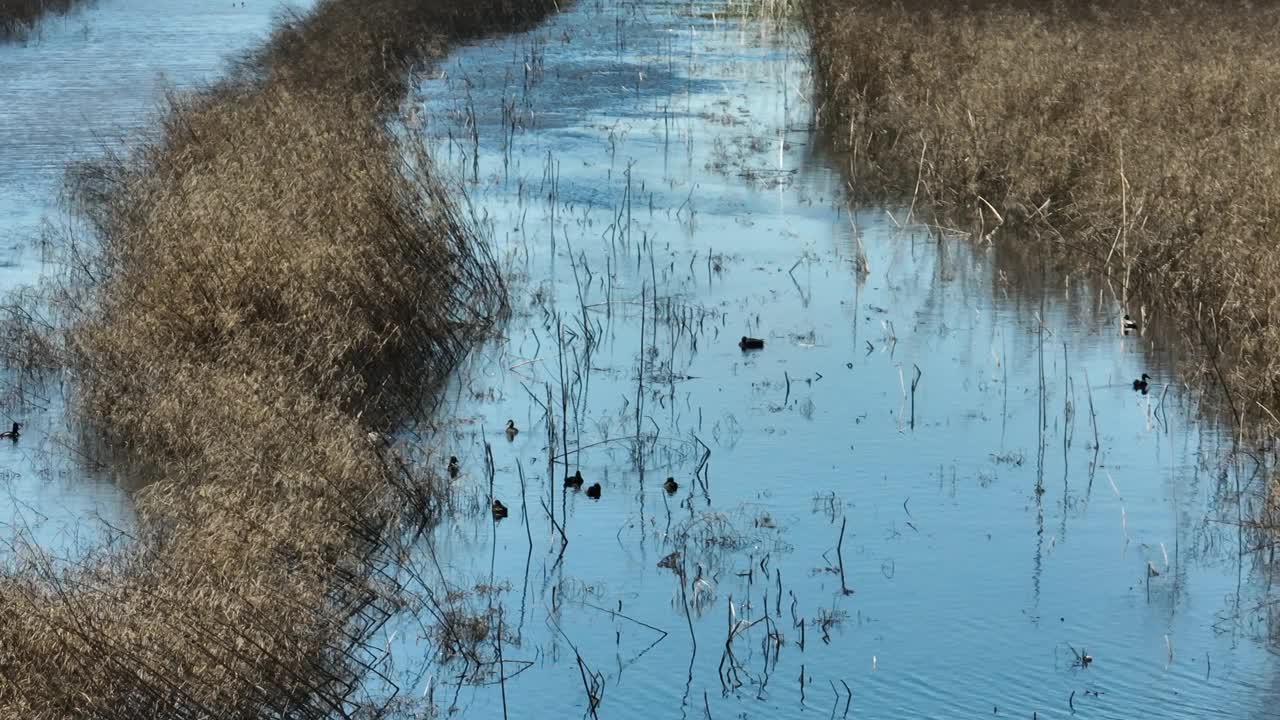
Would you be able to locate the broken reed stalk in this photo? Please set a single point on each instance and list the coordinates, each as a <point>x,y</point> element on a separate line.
<point>1093,415</point>
<point>915,382</point>
<point>592,682</point>
<point>844,588</point>
<point>502,673</point>
<point>684,600</point>
<point>639,459</point>
<point>274,282</point>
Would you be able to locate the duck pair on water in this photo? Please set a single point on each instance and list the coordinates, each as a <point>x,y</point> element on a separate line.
<point>575,481</point>
<point>750,343</point>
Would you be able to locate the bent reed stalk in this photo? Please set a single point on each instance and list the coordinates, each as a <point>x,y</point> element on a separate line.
<point>271,279</point>
<point>1137,138</point>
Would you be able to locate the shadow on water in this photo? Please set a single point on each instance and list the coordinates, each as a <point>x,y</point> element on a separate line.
<point>932,493</point>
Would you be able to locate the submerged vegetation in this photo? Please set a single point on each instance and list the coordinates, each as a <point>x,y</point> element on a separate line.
<point>18,17</point>
<point>271,283</point>
<point>1137,138</point>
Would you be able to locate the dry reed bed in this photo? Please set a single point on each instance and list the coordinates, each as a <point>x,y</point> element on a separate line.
<point>1140,138</point>
<point>18,17</point>
<point>271,279</point>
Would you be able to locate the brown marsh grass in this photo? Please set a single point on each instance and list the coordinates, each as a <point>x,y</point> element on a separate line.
<point>1138,138</point>
<point>272,283</point>
<point>19,17</point>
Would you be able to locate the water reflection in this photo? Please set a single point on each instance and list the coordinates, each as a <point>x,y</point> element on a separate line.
<point>952,434</point>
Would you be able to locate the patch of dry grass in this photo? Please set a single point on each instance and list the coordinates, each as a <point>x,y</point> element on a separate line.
<point>1138,138</point>
<point>270,280</point>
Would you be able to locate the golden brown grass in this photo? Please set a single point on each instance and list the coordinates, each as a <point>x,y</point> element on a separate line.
<point>270,280</point>
<point>1140,139</point>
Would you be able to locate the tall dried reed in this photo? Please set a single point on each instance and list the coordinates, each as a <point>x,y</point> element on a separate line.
<point>1137,138</point>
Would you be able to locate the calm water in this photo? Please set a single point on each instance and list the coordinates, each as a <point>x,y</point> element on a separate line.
<point>651,180</point>
<point>84,83</point>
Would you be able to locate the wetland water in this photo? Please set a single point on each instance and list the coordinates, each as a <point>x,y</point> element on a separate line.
<point>651,179</point>
<point>82,83</point>
<point>652,183</point>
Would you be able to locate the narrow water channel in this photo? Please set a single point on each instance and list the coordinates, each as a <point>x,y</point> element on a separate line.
<point>83,84</point>
<point>931,493</point>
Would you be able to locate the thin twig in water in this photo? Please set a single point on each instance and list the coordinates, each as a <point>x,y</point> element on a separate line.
<point>844,589</point>
<point>915,382</point>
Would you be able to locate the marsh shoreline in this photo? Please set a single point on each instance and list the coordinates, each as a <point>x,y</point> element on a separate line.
<point>269,287</point>
<point>1131,140</point>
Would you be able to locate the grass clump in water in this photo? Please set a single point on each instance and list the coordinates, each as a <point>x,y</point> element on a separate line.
<point>1139,138</point>
<point>271,280</point>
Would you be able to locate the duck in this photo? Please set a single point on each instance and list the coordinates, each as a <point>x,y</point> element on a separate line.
<point>14,433</point>
<point>1085,659</point>
<point>1129,323</point>
<point>574,480</point>
<point>750,343</point>
<point>593,492</point>
<point>671,486</point>
<point>512,430</point>
<point>1142,384</point>
<point>453,466</point>
<point>499,510</point>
